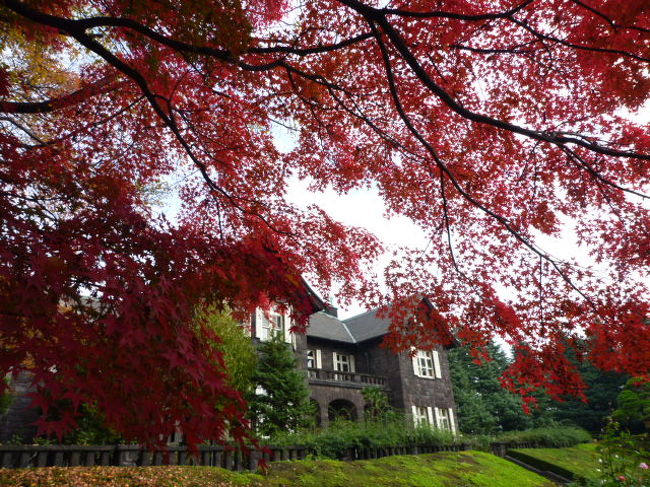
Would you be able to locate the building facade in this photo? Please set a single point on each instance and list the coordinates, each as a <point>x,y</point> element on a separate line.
<point>342,357</point>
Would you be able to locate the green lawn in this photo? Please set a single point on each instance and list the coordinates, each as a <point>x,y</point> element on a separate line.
<point>447,469</point>
<point>580,459</point>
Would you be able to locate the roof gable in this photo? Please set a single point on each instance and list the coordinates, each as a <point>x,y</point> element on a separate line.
<point>360,328</point>
<point>328,327</point>
<point>367,325</point>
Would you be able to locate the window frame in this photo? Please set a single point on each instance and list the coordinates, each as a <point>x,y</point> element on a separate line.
<point>349,361</point>
<point>338,361</point>
<point>271,324</point>
<point>421,416</point>
<point>426,364</point>
<point>444,422</point>
<point>311,358</point>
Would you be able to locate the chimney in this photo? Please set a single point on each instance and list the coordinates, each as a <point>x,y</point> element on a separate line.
<point>332,311</point>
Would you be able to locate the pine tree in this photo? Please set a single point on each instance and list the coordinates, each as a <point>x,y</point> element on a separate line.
<point>281,399</point>
<point>603,387</point>
<point>484,406</point>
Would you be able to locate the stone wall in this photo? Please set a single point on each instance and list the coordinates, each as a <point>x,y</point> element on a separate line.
<point>325,394</point>
<point>427,392</point>
<point>17,424</point>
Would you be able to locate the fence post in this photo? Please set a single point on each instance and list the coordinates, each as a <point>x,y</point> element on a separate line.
<point>41,459</point>
<point>499,449</point>
<point>183,456</point>
<point>254,460</point>
<point>127,455</point>
<point>58,459</point>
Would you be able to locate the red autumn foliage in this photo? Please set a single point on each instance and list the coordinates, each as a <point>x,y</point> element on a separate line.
<point>489,123</point>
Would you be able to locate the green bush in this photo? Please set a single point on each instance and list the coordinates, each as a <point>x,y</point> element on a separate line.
<point>392,430</point>
<point>623,457</point>
<point>5,402</point>
<point>557,436</point>
<point>5,398</point>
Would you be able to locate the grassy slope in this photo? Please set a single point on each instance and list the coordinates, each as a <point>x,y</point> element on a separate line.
<point>475,469</point>
<point>436,470</point>
<point>579,459</point>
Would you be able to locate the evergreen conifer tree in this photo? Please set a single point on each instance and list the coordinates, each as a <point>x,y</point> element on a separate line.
<point>603,388</point>
<point>281,399</point>
<point>484,406</point>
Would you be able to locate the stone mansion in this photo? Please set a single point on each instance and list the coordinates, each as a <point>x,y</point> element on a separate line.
<point>342,357</point>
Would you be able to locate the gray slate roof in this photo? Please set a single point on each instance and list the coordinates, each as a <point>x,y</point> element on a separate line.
<point>322,325</point>
<point>367,325</point>
<point>353,330</point>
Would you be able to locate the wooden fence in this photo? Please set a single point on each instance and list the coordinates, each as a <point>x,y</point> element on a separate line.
<point>24,456</point>
<point>133,455</point>
<point>501,449</point>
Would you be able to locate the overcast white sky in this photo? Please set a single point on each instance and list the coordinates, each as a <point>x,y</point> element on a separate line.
<point>365,208</point>
<point>360,208</point>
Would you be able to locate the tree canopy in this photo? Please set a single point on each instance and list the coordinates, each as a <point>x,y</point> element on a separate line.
<point>484,407</point>
<point>492,124</point>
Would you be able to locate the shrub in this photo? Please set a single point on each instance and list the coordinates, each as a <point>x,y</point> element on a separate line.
<point>623,457</point>
<point>556,436</point>
<point>5,402</point>
<point>393,429</point>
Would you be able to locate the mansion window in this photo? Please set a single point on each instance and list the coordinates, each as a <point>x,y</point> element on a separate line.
<point>271,325</point>
<point>343,362</point>
<point>426,364</point>
<point>420,415</point>
<point>314,360</point>
<point>311,359</point>
<point>443,420</point>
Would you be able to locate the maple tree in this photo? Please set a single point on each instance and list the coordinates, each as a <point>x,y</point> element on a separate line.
<point>492,124</point>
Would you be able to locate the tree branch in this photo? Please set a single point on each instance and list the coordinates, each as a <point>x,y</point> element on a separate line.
<point>103,86</point>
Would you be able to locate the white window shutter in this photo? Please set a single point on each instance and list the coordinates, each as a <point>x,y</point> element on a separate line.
<point>286,323</point>
<point>416,368</point>
<point>436,364</point>
<point>430,416</point>
<point>319,360</point>
<point>257,327</point>
<point>452,423</point>
<point>415,415</point>
<point>437,417</point>
<point>352,364</point>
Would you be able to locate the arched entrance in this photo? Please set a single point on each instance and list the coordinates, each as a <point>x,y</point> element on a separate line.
<point>341,409</point>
